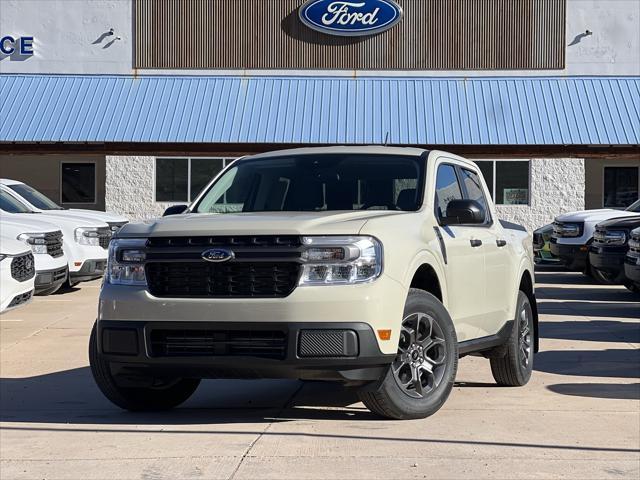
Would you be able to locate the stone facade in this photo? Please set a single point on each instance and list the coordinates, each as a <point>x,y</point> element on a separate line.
<point>557,186</point>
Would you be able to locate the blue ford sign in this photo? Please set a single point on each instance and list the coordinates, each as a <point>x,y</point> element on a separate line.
<point>350,17</point>
<point>217,255</point>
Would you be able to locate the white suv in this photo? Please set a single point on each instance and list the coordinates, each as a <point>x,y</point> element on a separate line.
<point>85,241</point>
<point>17,273</point>
<point>376,267</point>
<point>38,202</point>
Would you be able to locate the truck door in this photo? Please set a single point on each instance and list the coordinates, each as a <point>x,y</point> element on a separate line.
<point>465,270</point>
<point>498,282</point>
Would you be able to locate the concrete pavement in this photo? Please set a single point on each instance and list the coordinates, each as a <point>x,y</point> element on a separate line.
<point>578,418</point>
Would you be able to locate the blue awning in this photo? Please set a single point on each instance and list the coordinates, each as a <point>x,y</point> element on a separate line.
<point>308,110</point>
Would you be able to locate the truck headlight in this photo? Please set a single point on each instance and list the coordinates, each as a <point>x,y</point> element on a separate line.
<point>567,229</point>
<point>125,265</point>
<point>613,237</point>
<point>36,241</point>
<point>340,260</point>
<point>87,236</point>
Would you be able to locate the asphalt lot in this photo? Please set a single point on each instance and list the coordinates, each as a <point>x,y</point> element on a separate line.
<point>578,418</point>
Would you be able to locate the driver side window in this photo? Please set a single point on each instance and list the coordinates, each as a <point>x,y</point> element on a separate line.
<point>447,188</point>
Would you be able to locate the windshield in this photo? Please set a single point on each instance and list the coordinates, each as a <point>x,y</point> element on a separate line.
<point>34,197</point>
<point>10,204</point>
<point>634,207</point>
<point>314,183</point>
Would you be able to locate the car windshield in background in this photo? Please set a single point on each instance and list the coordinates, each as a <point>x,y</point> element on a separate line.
<point>634,207</point>
<point>315,183</point>
<point>34,197</point>
<point>11,205</point>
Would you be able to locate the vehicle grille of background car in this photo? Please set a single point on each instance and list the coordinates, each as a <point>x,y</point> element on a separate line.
<point>23,267</point>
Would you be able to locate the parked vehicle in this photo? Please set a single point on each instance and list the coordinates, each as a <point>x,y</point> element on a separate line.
<point>542,246</point>
<point>85,241</point>
<point>17,273</point>
<point>38,202</point>
<point>632,262</point>
<point>45,241</point>
<point>610,246</point>
<point>376,267</point>
<point>573,235</point>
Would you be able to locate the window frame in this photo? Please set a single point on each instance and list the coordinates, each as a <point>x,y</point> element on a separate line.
<point>494,162</point>
<point>617,165</point>
<point>488,219</point>
<point>443,163</point>
<point>95,181</point>
<point>226,161</point>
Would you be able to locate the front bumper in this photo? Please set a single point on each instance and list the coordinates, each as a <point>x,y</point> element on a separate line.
<point>605,260</point>
<point>632,269</point>
<point>90,270</point>
<point>140,351</point>
<point>573,256</point>
<point>47,279</point>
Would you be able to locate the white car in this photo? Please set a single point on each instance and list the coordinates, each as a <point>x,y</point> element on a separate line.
<point>45,241</point>
<point>17,273</point>
<point>85,241</point>
<point>39,202</point>
<point>573,234</point>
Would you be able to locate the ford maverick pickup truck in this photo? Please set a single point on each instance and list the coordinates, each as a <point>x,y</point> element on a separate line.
<point>377,267</point>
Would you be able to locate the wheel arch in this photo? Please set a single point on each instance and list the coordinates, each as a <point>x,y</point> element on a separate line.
<point>527,287</point>
<point>427,274</point>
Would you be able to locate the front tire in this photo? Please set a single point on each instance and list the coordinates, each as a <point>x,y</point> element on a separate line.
<point>164,395</point>
<point>421,377</point>
<point>515,367</point>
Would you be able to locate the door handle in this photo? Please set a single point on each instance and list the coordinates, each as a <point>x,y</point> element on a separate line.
<point>476,243</point>
<point>501,243</point>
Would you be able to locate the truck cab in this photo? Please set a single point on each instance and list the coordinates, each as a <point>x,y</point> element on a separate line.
<point>377,267</point>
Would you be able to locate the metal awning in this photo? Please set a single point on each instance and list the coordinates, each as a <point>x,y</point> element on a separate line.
<point>321,110</point>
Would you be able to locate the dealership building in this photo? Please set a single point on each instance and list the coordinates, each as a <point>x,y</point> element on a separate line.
<point>134,105</point>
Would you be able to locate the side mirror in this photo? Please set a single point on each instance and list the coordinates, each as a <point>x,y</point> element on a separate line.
<point>175,210</point>
<point>464,212</point>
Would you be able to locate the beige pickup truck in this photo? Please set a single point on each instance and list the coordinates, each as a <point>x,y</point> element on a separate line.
<point>377,267</point>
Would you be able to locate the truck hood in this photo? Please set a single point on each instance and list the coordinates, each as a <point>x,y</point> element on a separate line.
<point>96,215</point>
<point>13,224</point>
<point>259,223</point>
<point>11,246</point>
<point>593,215</point>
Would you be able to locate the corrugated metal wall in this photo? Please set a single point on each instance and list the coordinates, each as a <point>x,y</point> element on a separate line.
<point>433,35</point>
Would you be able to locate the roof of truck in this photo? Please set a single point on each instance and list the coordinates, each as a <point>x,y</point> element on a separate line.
<point>361,149</point>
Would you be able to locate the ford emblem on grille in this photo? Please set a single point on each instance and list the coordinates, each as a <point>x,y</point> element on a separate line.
<point>217,255</point>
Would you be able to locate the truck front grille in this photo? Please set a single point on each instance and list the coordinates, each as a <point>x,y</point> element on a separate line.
<point>191,343</point>
<point>262,266</point>
<point>231,279</point>
<point>54,243</point>
<point>104,236</point>
<point>23,267</point>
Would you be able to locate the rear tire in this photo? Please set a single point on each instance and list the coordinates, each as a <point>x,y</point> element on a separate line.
<point>515,367</point>
<point>168,393</point>
<point>420,379</point>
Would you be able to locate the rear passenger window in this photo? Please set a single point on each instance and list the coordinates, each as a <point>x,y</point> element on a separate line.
<point>473,188</point>
<point>447,189</point>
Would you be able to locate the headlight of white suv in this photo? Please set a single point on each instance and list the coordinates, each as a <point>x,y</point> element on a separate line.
<point>87,236</point>
<point>340,260</point>
<point>125,265</point>
<point>36,241</point>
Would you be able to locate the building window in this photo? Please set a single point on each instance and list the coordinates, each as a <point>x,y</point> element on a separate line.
<point>620,186</point>
<point>508,180</point>
<point>78,182</point>
<point>182,179</point>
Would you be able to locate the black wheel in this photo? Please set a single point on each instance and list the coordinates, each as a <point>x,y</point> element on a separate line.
<point>163,395</point>
<point>421,377</point>
<point>515,367</point>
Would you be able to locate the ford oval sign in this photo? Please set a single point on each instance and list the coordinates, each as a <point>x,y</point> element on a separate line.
<point>217,255</point>
<point>350,17</point>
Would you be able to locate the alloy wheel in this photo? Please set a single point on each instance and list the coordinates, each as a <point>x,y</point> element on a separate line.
<point>524,338</point>
<point>419,365</point>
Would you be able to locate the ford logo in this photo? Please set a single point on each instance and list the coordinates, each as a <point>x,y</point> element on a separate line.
<point>217,255</point>
<point>350,17</point>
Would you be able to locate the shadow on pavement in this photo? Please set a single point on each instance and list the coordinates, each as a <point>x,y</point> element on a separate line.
<point>621,391</point>
<point>592,331</point>
<point>620,363</point>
